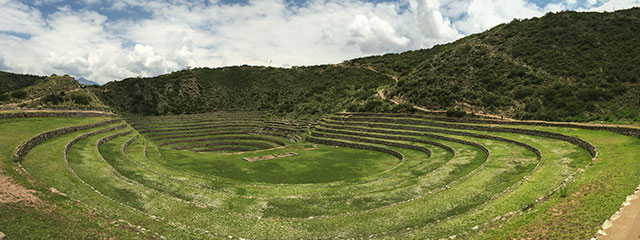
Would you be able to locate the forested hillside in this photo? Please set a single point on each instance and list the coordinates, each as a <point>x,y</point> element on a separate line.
<point>303,90</point>
<point>563,66</point>
<point>18,91</point>
<point>566,66</point>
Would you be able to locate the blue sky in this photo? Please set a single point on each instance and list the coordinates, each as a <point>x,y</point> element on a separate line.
<point>114,39</point>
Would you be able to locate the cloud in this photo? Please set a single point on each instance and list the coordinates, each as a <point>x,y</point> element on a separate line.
<point>163,36</point>
<point>3,67</point>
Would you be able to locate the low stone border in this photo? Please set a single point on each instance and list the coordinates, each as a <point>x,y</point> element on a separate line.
<point>329,129</point>
<point>205,130</point>
<point>435,130</point>
<point>54,114</point>
<point>456,140</point>
<point>575,140</point>
<point>125,146</point>
<point>374,141</point>
<point>224,148</point>
<point>111,137</point>
<point>67,147</point>
<point>224,138</point>
<point>235,144</point>
<point>634,132</point>
<point>329,142</point>
<point>200,135</point>
<point>142,127</point>
<point>196,128</point>
<point>23,149</point>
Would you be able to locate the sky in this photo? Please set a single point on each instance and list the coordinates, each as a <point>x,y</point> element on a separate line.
<point>115,39</point>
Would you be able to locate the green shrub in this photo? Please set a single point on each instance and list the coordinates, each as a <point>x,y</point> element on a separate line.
<point>81,99</point>
<point>403,108</point>
<point>53,99</point>
<point>456,113</point>
<point>20,94</point>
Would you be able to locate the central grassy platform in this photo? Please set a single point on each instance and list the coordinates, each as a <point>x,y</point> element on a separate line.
<point>321,164</point>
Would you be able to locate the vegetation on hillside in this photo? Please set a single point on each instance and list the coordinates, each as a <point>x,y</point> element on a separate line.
<point>54,92</point>
<point>300,90</point>
<point>563,66</point>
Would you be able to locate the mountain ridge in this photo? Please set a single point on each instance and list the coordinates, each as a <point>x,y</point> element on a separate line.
<point>566,66</point>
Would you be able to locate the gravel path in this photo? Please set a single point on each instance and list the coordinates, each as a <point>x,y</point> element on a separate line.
<point>625,224</point>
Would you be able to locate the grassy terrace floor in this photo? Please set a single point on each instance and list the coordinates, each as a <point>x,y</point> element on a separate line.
<point>389,176</point>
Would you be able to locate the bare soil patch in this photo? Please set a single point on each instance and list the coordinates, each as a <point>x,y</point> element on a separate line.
<point>13,193</point>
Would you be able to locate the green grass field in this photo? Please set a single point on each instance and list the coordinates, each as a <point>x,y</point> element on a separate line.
<point>355,176</point>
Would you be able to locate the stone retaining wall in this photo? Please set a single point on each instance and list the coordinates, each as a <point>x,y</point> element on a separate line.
<point>444,131</point>
<point>206,130</point>
<point>54,114</point>
<point>86,135</point>
<point>328,142</point>
<point>209,144</point>
<point>224,148</point>
<point>575,140</point>
<point>200,135</point>
<point>465,142</point>
<point>22,150</point>
<point>330,129</point>
<point>195,128</point>
<point>111,137</point>
<point>212,123</point>
<point>125,146</point>
<point>224,138</point>
<point>374,141</point>
<point>634,132</point>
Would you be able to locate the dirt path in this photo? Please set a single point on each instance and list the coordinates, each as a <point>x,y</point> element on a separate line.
<point>384,97</point>
<point>624,224</point>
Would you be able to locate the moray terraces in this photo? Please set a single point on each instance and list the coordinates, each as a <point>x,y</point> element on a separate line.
<point>353,175</point>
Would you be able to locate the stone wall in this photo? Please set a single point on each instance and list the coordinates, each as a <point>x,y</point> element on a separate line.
<point>634,132</point>
<point>111,137</point>
<point>125,146</point>
<point>22,150</point>
<point>574,140</point>
<point>424,129</point>
<point>195,128</point>
<point>54,114</point>
<point>329,142</point>
<point>374,141</point>
<point>86,135</point>
<point>236,144</point>
<point>224,138</point>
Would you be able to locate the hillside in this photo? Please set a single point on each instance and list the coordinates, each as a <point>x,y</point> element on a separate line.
<point>54,92</point>
<point>308,90</point>
<point>563,66</point>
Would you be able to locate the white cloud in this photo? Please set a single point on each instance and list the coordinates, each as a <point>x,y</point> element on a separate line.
<point>180,33</point>
<point>612,5</point>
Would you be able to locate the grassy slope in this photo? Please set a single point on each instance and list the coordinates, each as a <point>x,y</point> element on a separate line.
<point>165,185</point>
<point>57,217</point>
<point>591,198</point>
